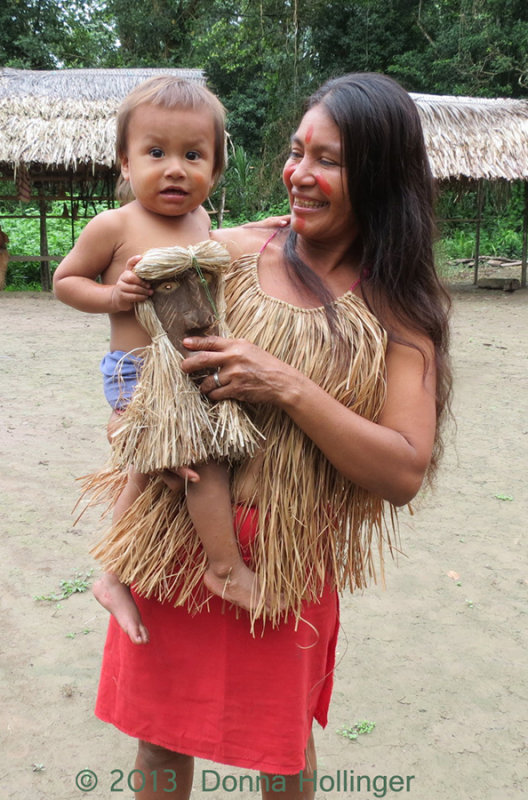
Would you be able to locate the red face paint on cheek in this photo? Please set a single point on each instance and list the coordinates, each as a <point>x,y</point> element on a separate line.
<point>298,224</point>
<point>324,185</point>
<point>287,172</point>
<point>309,134</point>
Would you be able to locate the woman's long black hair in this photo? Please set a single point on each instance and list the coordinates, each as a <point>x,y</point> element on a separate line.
<point>391,190</point>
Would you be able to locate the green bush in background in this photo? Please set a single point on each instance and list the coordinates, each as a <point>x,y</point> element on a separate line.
<point>501,229</point>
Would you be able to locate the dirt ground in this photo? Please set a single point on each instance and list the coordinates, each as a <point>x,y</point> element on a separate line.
<point>437,661</point>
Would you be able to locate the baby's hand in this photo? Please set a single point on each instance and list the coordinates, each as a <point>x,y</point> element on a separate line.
<point>177,479</point>
<point>129,288</point>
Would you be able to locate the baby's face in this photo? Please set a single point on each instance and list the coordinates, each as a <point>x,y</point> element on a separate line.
<point>183,306</point>
<point>170,158</point>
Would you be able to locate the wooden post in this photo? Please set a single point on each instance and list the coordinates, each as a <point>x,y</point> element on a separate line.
<point>525,236</point>
<point>221,208</point>
<point>72,218</point>
<point>45,275</point>
<point>477,236</point>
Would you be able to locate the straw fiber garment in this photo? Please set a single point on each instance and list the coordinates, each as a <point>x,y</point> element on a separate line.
<point>314,525</point>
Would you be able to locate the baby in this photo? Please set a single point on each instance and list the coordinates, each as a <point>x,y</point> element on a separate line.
<point>170,142</point>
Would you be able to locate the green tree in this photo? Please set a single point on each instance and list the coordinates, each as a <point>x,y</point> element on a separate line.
<point>157,32</point>
<point>29,33</point>
<point>49,34</point>
<point>474,47</point>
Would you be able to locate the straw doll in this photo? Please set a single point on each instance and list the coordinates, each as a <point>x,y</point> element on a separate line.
<point>170,424</point>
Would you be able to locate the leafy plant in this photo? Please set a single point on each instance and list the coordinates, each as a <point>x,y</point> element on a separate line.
<point>357,729</point>
<point>79,583</point>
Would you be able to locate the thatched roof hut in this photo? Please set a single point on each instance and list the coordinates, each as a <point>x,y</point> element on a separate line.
<point>62,119</point>
<point>475,138</point>
<point>66,118</point>
<point>59,126</point>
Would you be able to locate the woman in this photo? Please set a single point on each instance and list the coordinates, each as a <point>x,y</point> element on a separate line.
<point>349,390</point>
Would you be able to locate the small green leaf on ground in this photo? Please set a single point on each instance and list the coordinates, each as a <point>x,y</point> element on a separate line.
<point>80,582</point>
<point>357,729</point>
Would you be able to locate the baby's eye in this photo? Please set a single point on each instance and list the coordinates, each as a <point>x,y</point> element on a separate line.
<point>192,155</point>
<point>156,152</point>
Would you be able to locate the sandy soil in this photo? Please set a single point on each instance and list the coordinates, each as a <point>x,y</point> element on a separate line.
<point>437,662</point>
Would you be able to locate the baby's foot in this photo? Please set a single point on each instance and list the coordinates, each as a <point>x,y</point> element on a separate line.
<point>236,584</point>
<point>117,599</point>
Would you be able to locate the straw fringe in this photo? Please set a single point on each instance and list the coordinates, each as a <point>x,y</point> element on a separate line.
<point>314,525</point>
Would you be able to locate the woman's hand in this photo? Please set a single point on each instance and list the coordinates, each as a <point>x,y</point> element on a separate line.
<point>388,457</point>
<point>281,221</point>
<point>243,371</point>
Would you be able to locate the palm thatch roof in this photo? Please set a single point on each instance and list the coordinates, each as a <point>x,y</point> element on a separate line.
<point>470,137</point>
<point>61,119</point>
<point>65,120</point>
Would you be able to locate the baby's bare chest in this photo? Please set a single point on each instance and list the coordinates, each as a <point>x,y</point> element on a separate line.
<point>140,234</point>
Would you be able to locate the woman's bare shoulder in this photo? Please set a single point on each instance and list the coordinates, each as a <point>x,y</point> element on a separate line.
<point>243,239</point>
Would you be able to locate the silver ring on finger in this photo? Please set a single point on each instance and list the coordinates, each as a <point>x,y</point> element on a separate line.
<point>216,378</point>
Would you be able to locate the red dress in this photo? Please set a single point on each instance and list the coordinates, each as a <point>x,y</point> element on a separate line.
<point>204,686</point>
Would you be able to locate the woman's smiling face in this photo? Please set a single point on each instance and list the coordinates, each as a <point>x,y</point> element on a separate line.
<point>316,180</point>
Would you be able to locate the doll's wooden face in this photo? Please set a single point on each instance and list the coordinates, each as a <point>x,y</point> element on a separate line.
<point>183,306</point>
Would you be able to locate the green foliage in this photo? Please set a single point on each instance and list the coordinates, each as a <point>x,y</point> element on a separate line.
<point>24,239</point>
<point>156,32</point>
<point>49,34</point>
<point>241,188</point>
<point>79,583</point>
<point>501,225</point>
<point>357,729</point>
<point>263,59</point>
<point>474,47</point>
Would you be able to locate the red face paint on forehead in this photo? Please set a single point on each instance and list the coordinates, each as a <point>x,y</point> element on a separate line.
<point>309,134</point>
<point>324,185</point>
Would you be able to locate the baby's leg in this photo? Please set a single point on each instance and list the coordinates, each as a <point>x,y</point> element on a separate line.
<point>113,423</point>
<point>209,504</point>
<point>113,595</point>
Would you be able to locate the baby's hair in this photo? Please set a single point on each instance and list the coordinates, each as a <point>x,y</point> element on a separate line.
<point>170,92</point>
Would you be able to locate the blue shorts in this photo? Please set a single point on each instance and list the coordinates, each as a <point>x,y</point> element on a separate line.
<point>120,375</point>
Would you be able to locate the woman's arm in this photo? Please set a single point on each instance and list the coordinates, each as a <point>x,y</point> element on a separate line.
<point>389,457</point>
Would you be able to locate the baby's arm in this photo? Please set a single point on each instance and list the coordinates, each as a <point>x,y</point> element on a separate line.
<point>74,280</point>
